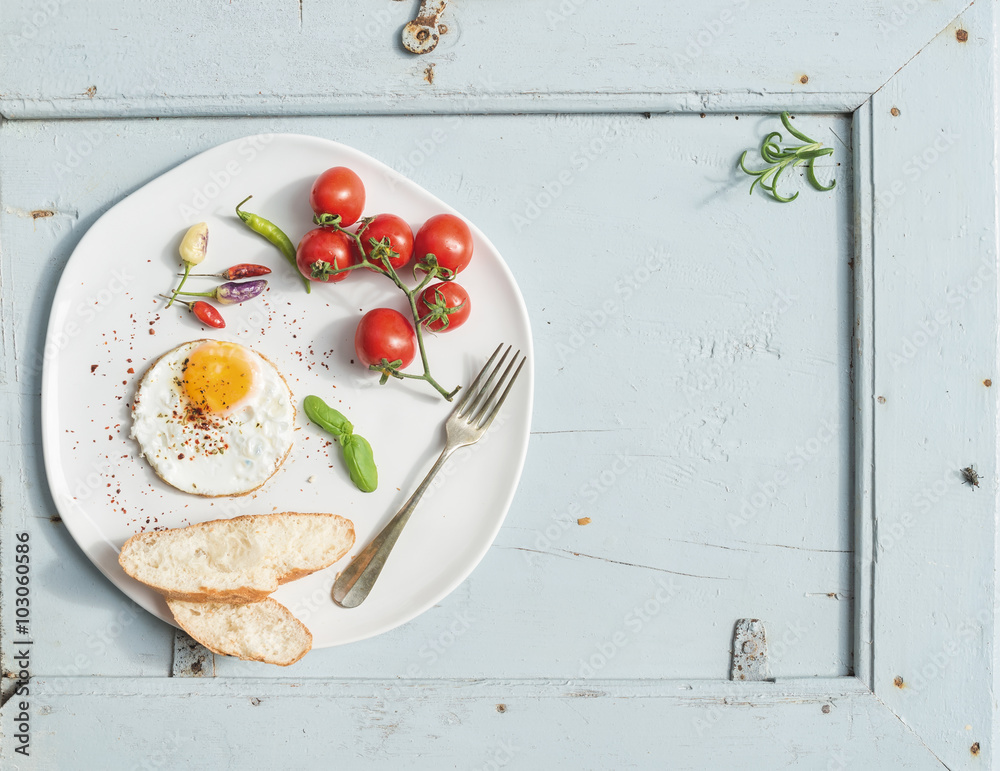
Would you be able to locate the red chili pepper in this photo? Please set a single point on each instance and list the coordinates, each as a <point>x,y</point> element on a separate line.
<point>205,313</point>
<point>243,270</point>
<point>246,270</point>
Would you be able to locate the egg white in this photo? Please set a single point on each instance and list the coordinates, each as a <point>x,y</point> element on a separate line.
<point>236,453</point>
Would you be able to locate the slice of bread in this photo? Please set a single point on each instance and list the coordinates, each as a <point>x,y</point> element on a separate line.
<point>236,560</point>
<point>258,631</point>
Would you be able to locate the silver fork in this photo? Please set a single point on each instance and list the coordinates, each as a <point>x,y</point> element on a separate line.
<point>466,425</point>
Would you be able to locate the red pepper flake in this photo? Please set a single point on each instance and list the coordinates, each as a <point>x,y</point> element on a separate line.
<point>153,332</point>
<point>180,456</point>
<point>131,370</point>
<point>93,367</point>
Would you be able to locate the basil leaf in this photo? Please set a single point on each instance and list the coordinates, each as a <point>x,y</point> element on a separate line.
<point>360,462</point>
<point>326,417</point>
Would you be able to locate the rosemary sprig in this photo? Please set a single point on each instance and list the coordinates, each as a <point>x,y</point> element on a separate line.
<point>780,158</point>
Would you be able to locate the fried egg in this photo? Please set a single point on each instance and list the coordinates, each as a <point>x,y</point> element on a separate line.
<point>213,418</point>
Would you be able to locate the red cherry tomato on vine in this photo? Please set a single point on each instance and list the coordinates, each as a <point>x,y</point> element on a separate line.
<point>323,250</point>
<point>446,237</point>
<point>338,191</point>
<point>385,334</point>
<point>395,229</point>
<point>447,302</point>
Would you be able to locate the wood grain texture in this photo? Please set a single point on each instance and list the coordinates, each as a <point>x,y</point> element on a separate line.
<point>479,725</point>
<point>863,373</point>
<point>184,57</point>
<point>694,401</point>
<point>935,234</point>
<point>904,595</point>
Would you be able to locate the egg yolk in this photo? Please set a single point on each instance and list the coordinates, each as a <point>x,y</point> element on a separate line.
<point>217,376</point>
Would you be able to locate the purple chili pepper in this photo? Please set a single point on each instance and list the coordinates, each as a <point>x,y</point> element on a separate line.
<point>232,292</point>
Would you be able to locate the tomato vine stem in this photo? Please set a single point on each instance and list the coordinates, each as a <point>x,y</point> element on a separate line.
<point>382,252</point>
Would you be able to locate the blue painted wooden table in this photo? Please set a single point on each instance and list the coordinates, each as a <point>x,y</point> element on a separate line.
<point>762,409</point>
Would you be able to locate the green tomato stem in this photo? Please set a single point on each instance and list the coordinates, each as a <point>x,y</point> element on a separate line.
<point>411,296</point>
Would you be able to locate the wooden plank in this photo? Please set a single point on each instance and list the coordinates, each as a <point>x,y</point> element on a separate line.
<point>864,393</point>
<point>437,724</point>
<point>935,235</point>
<point>756,360</point>
<point>63,58</point>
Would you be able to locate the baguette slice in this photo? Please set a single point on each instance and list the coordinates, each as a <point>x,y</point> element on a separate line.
<point>236,560</point>
<point>257,631</point>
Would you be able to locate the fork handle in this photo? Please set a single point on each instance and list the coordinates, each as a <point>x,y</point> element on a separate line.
<point>354,584</point>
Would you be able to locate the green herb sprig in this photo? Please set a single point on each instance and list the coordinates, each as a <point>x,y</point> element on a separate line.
<point>780,158</point>
<point>357,451</point>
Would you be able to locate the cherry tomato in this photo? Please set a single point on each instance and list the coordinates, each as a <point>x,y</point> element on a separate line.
<point>439,300</point>
<point>385,334</point>
<point>395,229</point>
<point>338,191</point>
<point>321,251</point>
<point>446,237</point>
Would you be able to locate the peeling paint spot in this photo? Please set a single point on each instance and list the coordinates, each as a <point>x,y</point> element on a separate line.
<point>429,73</point>
<point>583,521</point>
<point>987,382</point>
<point>894,112</point>
<point>501,708</point>
<point>962,36</point>
<point>55,518</point>
<point>898,681</point>
<point>974,749</point>
<point>881,400</point>
<point>826,709</point>
<point>37,214</point>
<point>804,79</point>
<point>91,92</point>
<point>255,701</point>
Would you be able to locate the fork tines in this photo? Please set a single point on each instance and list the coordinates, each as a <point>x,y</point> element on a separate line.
<point>480,405</point>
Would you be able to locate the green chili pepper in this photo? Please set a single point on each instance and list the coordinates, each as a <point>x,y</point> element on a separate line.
<point>272,233</point>
<point>357,451</point>
<point>360,462</point>
<point>326,417</point>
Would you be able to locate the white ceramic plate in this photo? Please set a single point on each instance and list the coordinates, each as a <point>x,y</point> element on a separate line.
<point>107,326</point>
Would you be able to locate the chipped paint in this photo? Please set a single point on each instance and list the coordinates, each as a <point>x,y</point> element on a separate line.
<point>191,659</point>
<point>750,660</point>
<point>421,35</point>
